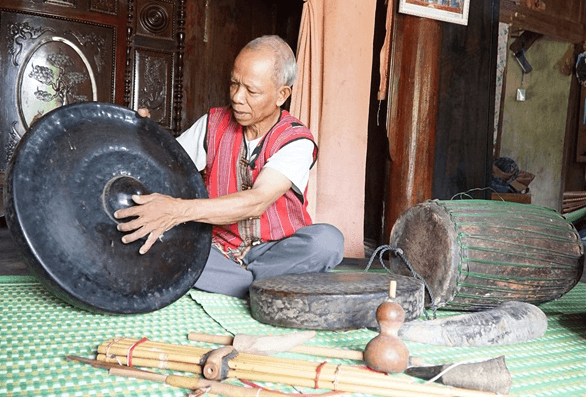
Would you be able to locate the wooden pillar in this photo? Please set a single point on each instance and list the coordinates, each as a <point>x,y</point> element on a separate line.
<point>413,103</point>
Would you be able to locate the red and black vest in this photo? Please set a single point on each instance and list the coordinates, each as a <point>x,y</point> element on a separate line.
<point>225,141</point>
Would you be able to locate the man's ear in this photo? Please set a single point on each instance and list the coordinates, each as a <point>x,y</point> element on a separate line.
<point>283,94</point>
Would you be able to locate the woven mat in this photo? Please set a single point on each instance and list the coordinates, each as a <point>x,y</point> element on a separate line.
<point>37,331</point>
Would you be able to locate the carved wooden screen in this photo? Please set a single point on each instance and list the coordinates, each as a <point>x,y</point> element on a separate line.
<point>48,62</point>
<point>155,59</point>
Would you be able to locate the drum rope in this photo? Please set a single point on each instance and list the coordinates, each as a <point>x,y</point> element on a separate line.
<point>399,253</point>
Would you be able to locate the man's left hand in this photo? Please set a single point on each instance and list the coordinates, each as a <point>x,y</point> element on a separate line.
<point>155,214</point>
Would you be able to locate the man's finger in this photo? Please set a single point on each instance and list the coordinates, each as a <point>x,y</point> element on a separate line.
<point>149,243</point>
<point>125,213</point>
<point>143,112</point>
<point>131,237</point>
<point>128,226</point>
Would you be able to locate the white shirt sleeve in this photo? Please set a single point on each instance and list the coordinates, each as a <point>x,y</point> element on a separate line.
<point>192,140</point>
<point>294,161</point>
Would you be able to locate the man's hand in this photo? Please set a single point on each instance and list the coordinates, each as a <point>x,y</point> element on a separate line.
<point>156,214</point>
<point>143,112</point>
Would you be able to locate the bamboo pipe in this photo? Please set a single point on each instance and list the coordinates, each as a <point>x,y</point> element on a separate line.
<point>150,363</point>
<point>311,350</point>
<point>181,354</point>
<point>178,381</point>
<point>188,382</point>
<point>328,372</point>
<point>378,384</point>
<point>411,389</point>
<point>152,350</point>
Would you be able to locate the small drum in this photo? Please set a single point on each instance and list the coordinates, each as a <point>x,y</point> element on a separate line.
<point>476,254</point>
<point>331,300</point>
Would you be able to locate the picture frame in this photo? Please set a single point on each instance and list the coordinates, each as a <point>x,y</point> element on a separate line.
<point>454,11</point>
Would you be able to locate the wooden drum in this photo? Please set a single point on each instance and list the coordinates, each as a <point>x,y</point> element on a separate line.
<point>331,300</point>
<point>476,254</point>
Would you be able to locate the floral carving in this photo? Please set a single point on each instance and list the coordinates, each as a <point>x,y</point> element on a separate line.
<point>63,84</point>
<point>17,34</point>
<point>97,42</point>
<point>152,94</point>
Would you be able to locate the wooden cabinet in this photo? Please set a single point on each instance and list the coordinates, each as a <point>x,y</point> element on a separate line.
<point>58,52</point>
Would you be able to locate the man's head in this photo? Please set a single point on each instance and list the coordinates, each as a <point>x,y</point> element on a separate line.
<point>261,81</point>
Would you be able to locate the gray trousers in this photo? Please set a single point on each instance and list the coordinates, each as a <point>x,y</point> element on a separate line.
<point>314,248</point>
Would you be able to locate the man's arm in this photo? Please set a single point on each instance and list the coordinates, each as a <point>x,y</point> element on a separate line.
<point>158,213</point>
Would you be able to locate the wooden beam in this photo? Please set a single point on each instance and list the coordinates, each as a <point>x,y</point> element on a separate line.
<point>542,22</point>
<point>413,113</point>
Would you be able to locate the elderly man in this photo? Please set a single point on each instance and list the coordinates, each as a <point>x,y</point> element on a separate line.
<point>256,159</point>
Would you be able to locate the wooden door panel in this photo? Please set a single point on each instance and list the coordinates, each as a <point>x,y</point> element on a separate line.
<point>48,62</point>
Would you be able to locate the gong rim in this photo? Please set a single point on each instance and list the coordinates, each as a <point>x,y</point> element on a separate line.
<point>56,214</point>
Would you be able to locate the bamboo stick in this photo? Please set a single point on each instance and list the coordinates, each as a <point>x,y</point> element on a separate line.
<point>410,389</point>
<point>258,367</point>
<point>150,363</point>
<point>302,349</point>
<point>193,383</point>
<point>179,354</point>
<point>178,381</point>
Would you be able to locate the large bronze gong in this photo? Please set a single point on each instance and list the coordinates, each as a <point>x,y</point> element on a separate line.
<point>69,173</point>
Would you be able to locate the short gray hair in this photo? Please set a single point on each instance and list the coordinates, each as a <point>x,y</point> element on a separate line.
<point>285,65</point>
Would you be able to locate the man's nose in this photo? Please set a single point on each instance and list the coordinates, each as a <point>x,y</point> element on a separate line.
<point>238,95</point>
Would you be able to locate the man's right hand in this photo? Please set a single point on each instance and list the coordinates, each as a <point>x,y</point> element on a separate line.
<point>143,112</point>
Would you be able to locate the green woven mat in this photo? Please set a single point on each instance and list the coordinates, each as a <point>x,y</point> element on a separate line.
<point>37,331</point>
<point>553,365</point>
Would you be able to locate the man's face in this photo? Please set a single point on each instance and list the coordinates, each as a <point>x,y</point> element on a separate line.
<point>255,98</point>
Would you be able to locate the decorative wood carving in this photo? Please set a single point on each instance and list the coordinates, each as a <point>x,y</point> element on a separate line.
<point>153,84</point>
<point>66,3</point>
<point>154,59</point>
<point>48,62</point>
<point>128,67</point>
<point>104,6</point>
<point>178,105</point>
<point>155,19</point>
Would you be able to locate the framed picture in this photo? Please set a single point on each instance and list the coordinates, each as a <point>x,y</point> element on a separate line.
<point>455,11</point>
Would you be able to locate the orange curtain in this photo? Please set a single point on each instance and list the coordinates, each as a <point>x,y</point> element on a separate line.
<point>306,99</point>
<point>332,97</point>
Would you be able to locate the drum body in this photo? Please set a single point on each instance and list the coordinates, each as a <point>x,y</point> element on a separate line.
<point>476,254</point>
<point>331,300</point>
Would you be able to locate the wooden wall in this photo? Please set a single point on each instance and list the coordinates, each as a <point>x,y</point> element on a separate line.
<point>559,19</point>
<point>464,129</point>
<point>216,31</point>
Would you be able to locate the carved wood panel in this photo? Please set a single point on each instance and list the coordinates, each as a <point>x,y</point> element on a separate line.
<point>155,36</point>
<point>48,62</point>
<point>153,84</point>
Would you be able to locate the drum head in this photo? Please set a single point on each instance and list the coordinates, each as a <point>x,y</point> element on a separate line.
<point>71,170</point>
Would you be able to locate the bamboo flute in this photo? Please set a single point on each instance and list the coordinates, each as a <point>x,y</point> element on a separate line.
<point>349,374</point>
<point>302,349</point>
<point>409,389</point>
<point>298,372</point>
<point>302,368</point>
<point>188,382</point>
<point>148,362</point>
